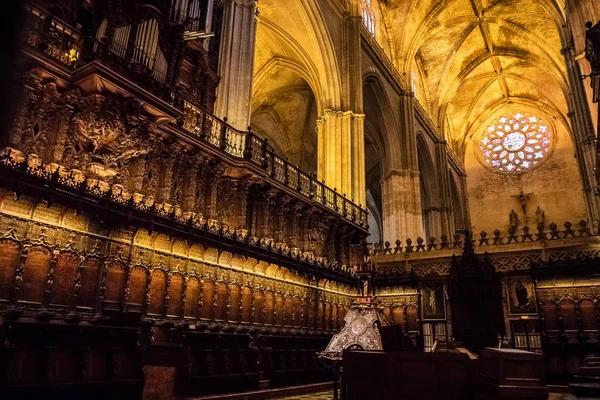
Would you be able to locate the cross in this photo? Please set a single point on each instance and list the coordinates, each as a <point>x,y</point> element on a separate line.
<point>522,199</point>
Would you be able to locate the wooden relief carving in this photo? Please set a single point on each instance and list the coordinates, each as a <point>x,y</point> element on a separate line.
<point>31,280</point>
<point>192,297</point>
<point>221,301</point>
<point>279,310</point>
<point>135,292</point>
<point>21,363</point>
<point>328,316</point>
<point>387,312</point>
<point>298,312</point>
<point>550,316</point>
<point>61,366</point>
<point>258,307</point>
<point>94,365</point>
<point>321,315</point>
<point>235,301</point>
<point>305,314</point>
<point>208,295</point>
<point>568,315</point>
<point>175,304</point>
<point>269,308</point>
<point>398,316</point>
<point>247,304</point>
<point>10,256</point>
<point>112,290</point>
<point>67,264</point>
<point>587,308</point>
<point>335,317</point>
<point>91,274</point>
<point>412,315</point>
<point>158,289</point>
<point>289,311</point>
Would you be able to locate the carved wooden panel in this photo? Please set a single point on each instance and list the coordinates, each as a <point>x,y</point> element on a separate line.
<point>313,313</point>
<point>61,367</point>
<point>221,301</point>
<point>588,315</point>
<point>247,304</point>
<point>91,273</point>
<point>158,290</point>
<point>321,315</point>
<point>259,304</point>
<point>328,315</point>
<point>115,283</point>
<point>137,290</point>
<point>569,315</point>
<point>235,299</point>
<point>298,311</point>
<point>37,265</point>
<point>175,295</point>
<point>94,365</point>
<point>289,310</point>
<point>65,273</point>
<point>279,309</point>
<point>412,315</point>
<point>23,366</point>
<point>269,308</point>
<point>208,294</point>
<point>123,364</point>
<point>398,316</point>
<point>550,314</point>
<point>192,293</point>
<point>10,254</point>
<point>335,317</point>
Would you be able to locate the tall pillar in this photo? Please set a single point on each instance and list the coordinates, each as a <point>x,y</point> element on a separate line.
<point>236,62</point>
<point>341,154</point>
<point>584,140</point>
<point>402,212</point>
<point>401,188</point>
<point>445,206</point>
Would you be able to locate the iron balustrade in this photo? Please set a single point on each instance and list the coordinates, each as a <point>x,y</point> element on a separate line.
<point>246,145</point>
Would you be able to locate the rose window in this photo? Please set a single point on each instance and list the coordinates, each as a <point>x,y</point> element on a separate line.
<point>516,143</point>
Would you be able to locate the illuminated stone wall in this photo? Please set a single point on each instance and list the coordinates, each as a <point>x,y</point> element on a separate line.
<point>555,185</point>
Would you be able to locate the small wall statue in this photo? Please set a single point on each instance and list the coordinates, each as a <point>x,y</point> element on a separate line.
<point>540,218</point>
<point>514,221</point>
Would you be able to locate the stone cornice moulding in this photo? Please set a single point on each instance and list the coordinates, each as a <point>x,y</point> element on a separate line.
<point>398,172</point>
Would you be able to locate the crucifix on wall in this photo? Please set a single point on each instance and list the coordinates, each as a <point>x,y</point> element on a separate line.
<point>522,198</point>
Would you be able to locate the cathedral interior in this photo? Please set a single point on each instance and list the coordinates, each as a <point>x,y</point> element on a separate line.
<point>356,199</point>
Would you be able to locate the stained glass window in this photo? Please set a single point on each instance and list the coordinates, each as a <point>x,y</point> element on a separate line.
<point>516,143</point>
<point>369,15</point>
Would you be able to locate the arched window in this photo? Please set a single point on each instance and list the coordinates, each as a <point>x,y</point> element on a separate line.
<point>369,15</point>
<point>515,143</point>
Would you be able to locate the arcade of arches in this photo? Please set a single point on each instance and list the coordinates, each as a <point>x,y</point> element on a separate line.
<point>203,180</point>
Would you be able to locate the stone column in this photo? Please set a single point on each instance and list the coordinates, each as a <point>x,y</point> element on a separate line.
<point>341,161</point>
<point>445,206</point>
<point>236,62</point>
<point>584,140</point>
<point>402,212</point>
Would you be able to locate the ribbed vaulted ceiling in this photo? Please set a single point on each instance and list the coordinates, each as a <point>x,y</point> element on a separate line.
<point>469,58</point>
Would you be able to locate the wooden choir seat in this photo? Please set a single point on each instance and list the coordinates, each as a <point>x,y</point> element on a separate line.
<point>216,363</point>
<point>48,361</point>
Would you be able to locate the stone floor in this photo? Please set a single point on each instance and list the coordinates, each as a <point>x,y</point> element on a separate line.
<point>329,396</point>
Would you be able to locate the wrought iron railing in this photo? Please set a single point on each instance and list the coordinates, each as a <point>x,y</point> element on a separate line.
<point>248,146</point>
